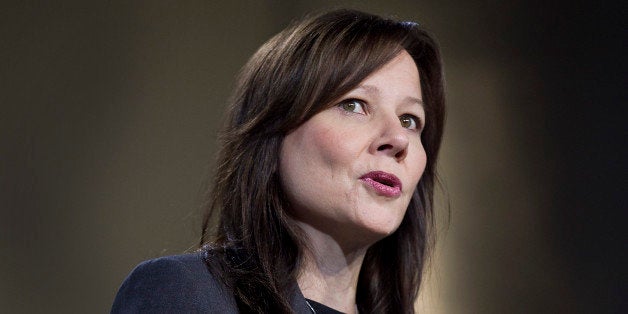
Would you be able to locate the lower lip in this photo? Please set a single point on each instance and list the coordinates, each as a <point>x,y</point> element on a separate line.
<point>382,189</point>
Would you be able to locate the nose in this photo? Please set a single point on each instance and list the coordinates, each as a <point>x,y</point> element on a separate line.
<point>392,140</point>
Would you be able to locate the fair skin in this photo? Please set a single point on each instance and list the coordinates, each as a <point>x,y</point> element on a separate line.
<point>349,173</point>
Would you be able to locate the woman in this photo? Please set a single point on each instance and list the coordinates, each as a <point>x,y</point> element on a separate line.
<point>324,184</point>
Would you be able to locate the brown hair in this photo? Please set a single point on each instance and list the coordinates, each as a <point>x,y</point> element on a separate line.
<point>256,246</point>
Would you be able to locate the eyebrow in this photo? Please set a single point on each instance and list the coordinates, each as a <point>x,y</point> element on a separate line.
<point>373,90</point>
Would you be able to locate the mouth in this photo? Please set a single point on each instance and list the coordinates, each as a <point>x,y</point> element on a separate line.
<point>383,183</point>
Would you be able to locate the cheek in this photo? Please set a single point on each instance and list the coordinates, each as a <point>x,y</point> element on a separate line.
<point>329,147</point>
<point>417,166</point>
<point>318,151</point>
<point>307,153</point>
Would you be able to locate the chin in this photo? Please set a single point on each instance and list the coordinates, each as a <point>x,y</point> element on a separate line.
<point>384,231</point>
<point>370,231</point>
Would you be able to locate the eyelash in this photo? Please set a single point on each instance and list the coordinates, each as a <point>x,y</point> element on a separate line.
<point>362,104</point>
<point>418,124</point>
<point>417,121</point>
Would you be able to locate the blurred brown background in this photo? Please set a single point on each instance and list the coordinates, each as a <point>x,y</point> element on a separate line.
<point>110,111</point>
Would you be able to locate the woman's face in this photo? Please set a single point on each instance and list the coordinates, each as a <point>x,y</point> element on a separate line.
<point>350,171</point>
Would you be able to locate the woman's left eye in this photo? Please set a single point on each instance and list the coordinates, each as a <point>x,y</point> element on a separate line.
<point>409,121</point>
<point>353,105</point>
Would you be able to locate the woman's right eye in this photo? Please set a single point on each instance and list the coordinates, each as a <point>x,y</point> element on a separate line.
<point>353,105</point>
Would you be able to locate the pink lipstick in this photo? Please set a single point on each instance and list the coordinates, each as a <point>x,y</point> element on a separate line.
<point>383,183</point>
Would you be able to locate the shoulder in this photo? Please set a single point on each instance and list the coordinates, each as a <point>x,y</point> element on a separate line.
<point>180,283</point>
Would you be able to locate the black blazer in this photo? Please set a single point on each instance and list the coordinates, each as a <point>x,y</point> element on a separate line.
<point>180,284</point>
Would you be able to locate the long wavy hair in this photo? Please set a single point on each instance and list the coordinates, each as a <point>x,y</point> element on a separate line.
<point>249,237</point>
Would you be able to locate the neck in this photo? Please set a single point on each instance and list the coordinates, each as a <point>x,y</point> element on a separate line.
<point>330,272</point>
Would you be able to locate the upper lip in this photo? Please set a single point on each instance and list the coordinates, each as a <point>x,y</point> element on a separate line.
<point>383,178</point>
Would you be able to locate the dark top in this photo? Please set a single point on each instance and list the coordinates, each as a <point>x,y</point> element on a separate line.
<point>182,284</point>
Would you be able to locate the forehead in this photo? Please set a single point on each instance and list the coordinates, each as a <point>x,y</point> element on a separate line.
<point>401,68</point>
<point>374,91</point>
<point>398,79</point>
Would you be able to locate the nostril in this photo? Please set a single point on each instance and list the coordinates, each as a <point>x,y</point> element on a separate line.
<point>384,147</point>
